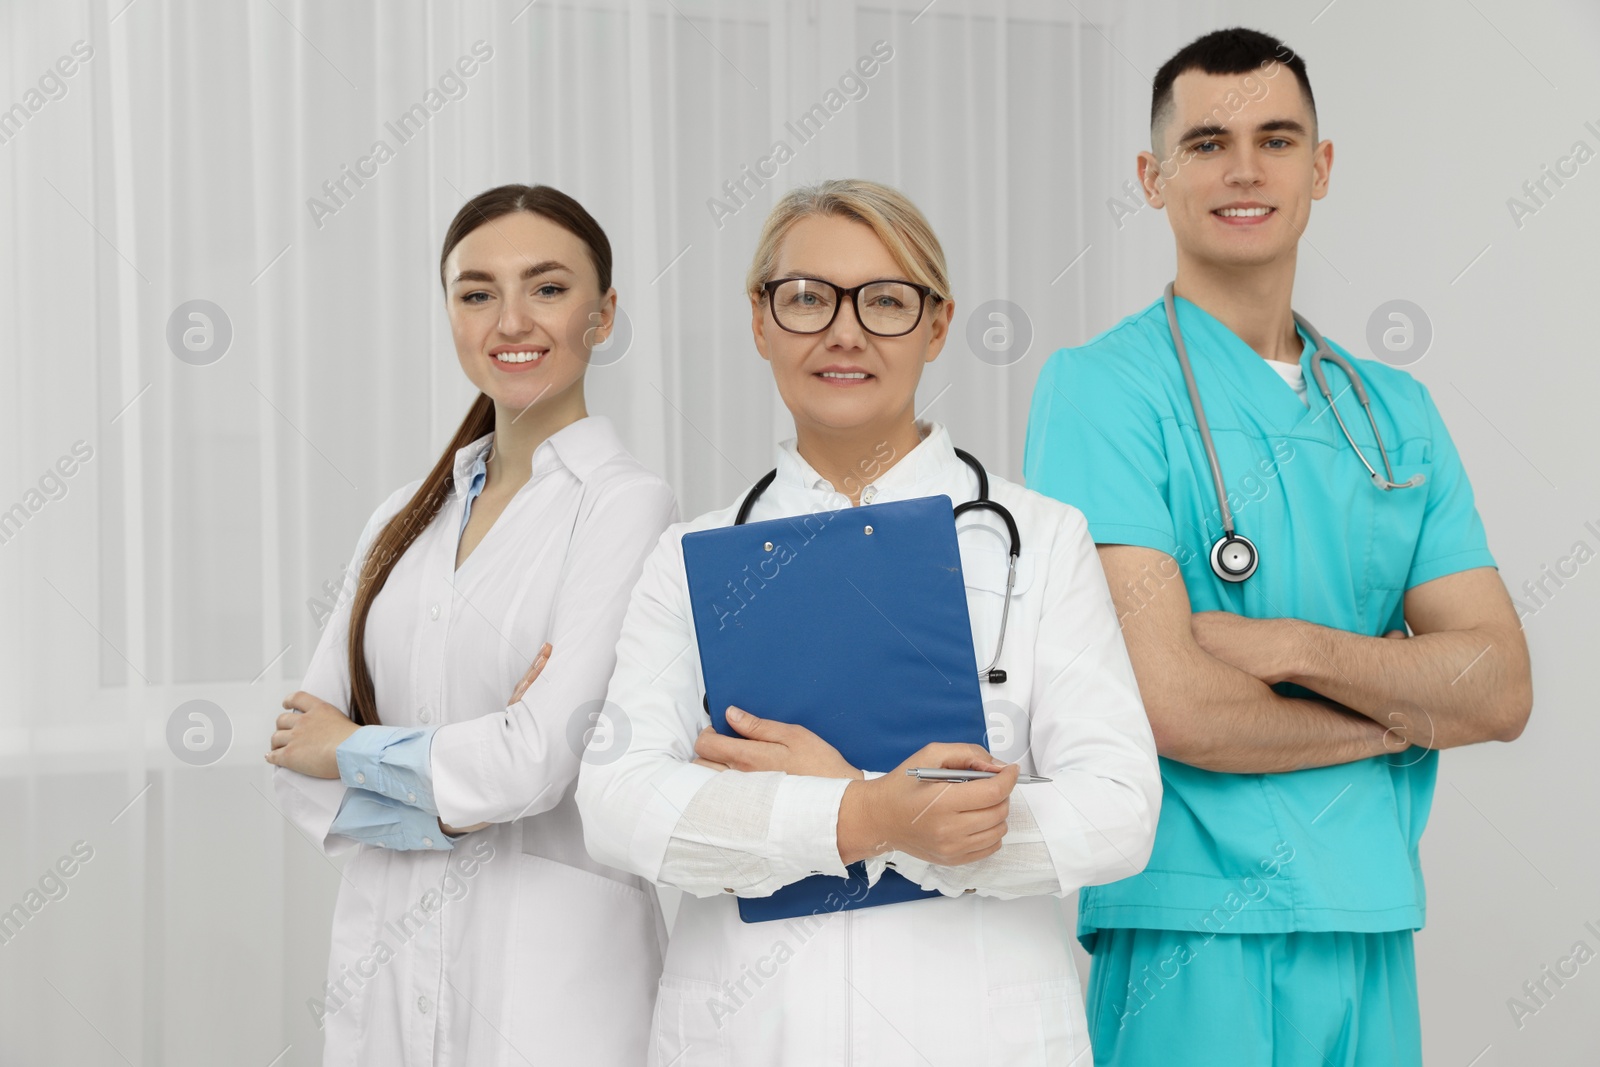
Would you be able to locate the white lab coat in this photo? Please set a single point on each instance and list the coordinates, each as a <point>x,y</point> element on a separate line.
<point>981,975</point>
<point>519,948</point>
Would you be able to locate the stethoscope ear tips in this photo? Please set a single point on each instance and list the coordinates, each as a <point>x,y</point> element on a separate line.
<point>997,677</point>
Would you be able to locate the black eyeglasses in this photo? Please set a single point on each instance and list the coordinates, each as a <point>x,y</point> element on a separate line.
<point>885,308</point>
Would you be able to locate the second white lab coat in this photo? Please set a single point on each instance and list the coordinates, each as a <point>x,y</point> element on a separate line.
<point>981,975</point>
<point>516,947</point>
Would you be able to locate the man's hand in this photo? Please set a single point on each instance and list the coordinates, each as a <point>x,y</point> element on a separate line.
<point>1251,645</point>
<point>1204,709</point>
<point>307,736</point>
<point>770,745</point>
<point>1262,648</point>
<point>943,823</point>
<point>1460,677</point>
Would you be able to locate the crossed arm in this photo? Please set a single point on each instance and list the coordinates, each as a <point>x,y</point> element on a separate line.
<point>308,736</point>
<point>1463,677</point>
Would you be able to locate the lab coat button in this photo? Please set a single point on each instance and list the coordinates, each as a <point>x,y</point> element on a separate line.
<point>422,1005</point>
<point>726,890</point>
<point>889,864</point>
<point>425,715</point>
<point>361,778</point>
<point>433,612</point>
<point>969,890</point>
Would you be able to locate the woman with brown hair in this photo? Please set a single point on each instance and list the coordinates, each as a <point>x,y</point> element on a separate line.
<point>471,924</point>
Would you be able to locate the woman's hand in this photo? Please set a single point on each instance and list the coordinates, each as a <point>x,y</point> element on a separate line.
<point>770,745</point>
<point>307,736</point>
<point>943,823</point>
<point>533,672</point>
<point>539,661</point>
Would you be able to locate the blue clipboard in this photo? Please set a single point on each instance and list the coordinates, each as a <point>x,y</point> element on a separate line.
<point>852,623</point>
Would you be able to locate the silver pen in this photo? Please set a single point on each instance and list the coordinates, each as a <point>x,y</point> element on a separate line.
<point>948,774</point>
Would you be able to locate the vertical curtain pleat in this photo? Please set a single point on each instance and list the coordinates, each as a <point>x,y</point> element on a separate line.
<point>642,298</point>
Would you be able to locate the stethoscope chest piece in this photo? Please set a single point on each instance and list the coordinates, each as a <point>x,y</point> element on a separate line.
<point>1234,557</point>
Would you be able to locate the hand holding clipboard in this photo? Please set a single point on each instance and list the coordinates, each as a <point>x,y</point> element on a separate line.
<point>853,624</point>
<point>896,812</point>
<point>942,823</point>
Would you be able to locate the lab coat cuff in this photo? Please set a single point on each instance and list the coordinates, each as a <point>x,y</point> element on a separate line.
<point>908,866</point>
<point>670,794</point>
<point>804,829</point>
<point>373,819</point>
<point>876,865</point>
<point>391,760</point>
<point>310,805</point>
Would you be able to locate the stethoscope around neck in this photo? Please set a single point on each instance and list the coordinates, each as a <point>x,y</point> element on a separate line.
<point>992,673</point>
<point>1234,557</point>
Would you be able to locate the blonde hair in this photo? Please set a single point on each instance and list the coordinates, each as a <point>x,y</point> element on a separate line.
<point>902,228</point>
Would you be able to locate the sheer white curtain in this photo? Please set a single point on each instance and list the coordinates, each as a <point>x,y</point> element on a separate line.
<point>168,525</point>
<point>228,154</point>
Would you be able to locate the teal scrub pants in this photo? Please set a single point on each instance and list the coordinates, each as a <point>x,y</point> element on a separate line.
<point>1162,997</point>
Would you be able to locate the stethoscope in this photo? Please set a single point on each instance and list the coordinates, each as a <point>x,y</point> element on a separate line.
<point>992,672</point>
<point>1234,557</point>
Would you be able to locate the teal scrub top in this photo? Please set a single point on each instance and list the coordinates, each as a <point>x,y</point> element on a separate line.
<point>1111,431</point>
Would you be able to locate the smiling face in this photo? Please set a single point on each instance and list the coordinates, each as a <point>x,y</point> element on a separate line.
<point>1237,174</point>
<point>525,310</point>
<point>845,380</point>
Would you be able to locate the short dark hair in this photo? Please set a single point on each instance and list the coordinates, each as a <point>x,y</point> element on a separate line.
<point>1232,51</point>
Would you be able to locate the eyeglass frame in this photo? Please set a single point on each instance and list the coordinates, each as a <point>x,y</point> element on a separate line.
<point>854,293</point>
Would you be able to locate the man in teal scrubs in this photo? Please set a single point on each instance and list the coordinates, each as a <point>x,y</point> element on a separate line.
<point>1298,722</point>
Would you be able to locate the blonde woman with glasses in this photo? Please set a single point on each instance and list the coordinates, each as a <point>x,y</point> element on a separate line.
<point>850,299</point>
